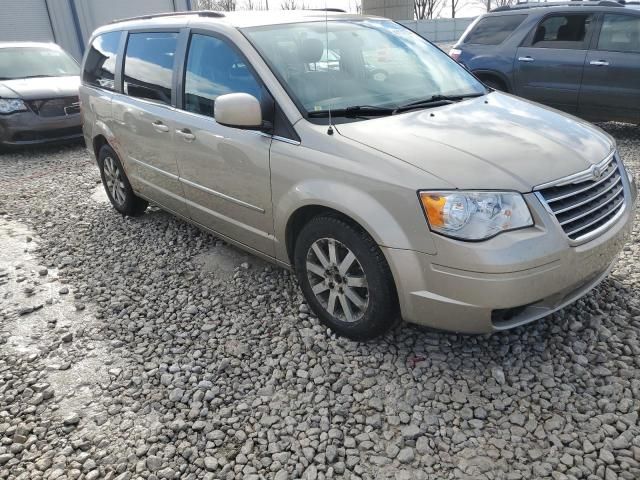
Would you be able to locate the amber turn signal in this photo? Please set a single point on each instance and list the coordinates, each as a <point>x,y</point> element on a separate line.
<point>433,205</point>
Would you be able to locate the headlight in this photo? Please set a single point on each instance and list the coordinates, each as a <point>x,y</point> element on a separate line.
<point>10,105</point>
<point>474,215</point>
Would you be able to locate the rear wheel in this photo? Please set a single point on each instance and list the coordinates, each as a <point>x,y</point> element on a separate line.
<point>117,184</point>
<point>345,278</point>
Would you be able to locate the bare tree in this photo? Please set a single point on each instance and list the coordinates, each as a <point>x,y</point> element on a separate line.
<point>355,6</point>
<point>491,4</point>
<point>427,8</point>
<point>289,4</point>
<point>455,6</point>
<point>226,5</point>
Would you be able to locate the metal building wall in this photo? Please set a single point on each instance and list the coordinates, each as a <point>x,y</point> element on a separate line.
<point>70,23</point>
<point>95,13</point>
<point>25,20</point>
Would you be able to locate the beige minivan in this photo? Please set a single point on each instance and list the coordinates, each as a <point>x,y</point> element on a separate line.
<point>347,147</point>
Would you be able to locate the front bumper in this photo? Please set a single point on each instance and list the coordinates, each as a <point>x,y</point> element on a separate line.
<point>28,128</point>
<point>510,280</point>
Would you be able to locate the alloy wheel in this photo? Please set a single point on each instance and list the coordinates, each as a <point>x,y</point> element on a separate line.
<point>337,280</point>
<point>113,179</point>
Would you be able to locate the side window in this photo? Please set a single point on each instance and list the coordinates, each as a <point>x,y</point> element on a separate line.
<point>494,30</point>
<point>620,33</point>
<point>563,31</point>
<point>100,66</point>
<point>214,68</point>
<point>148,65</point>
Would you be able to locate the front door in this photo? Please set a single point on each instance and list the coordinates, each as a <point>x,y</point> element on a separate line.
<point>142,119</point>
<point>549,64</point>
<point>611,82</point>
<point>224,171</point>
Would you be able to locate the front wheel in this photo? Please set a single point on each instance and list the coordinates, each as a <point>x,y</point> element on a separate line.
<point>345,278</point>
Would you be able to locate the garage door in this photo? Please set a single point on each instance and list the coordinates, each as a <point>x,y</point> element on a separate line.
<point>25,20</point>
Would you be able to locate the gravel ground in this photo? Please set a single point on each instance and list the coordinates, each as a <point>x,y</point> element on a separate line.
<point>144,348</point>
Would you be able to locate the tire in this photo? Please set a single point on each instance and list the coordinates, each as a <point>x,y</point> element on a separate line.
<point>120,194</point>
<point>364,301</point>
<point>495,84</point>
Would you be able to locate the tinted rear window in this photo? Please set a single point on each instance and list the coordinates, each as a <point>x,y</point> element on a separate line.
<point>494,30</point>
<point>148,65</point>
<point>620,33</point>
<point>100,66</point>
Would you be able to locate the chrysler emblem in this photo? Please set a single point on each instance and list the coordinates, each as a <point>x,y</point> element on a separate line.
<point>595,172</point>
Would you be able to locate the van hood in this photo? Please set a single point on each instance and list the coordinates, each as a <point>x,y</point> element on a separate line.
<point>41,87</point>
<point>496,141</point>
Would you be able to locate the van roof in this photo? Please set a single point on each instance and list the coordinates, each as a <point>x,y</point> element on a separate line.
<point>239,19</point>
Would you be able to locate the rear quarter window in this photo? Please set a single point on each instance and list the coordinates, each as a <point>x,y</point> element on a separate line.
<point>100,65</point>
<point>494,30</point>
<point>148,65</point>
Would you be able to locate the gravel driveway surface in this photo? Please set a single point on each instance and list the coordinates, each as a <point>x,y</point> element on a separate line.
<point>144,348</point>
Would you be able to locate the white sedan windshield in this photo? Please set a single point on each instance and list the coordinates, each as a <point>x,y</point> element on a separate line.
<point>363,62</point>
<point>29,62</point>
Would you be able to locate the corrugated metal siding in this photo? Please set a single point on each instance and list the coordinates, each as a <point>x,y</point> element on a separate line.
<point>26,20</point>
<point>93,14</point>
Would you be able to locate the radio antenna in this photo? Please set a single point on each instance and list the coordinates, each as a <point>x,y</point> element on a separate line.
<point>326,32</point>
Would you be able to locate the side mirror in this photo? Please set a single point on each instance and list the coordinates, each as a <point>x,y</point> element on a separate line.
<point>238,110</point>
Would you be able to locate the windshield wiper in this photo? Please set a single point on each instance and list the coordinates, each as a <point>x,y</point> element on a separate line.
<point>435,101</point>
<point>353,111</point>
<point>372,110</point>
<point>36,76</point>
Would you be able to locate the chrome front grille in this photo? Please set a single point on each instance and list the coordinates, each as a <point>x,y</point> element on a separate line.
<point>55,107</point>
<point>585,203</point>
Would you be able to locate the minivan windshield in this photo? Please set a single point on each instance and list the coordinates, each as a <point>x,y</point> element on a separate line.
<point>376,66</point>
<point>31,62</point>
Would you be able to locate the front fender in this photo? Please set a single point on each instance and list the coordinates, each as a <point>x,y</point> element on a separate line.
<point>383,224</point>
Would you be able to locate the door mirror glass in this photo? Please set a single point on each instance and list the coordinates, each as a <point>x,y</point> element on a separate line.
<point>238,110</point>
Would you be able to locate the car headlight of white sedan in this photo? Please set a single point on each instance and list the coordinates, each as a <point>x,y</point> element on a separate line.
<point>12,105</point>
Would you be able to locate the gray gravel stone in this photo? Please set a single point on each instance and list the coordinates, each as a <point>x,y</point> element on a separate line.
<point>71,419</point>
<point>210,463</point>
<point>406,455</point>
<point>185,365</point>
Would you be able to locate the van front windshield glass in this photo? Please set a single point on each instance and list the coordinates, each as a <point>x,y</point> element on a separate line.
<point>364,63</point>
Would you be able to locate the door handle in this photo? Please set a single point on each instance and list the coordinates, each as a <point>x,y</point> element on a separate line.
<point>526,59</point>
<point>160,127</point>
<point>186,134</point>
<point>599,63</point>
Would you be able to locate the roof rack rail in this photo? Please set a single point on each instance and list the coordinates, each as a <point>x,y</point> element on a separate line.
<point>200,13</point>
<point>335,10</point>
<point>588,3</point>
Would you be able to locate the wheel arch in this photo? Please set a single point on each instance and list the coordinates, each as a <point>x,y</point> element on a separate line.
<point>300,217</point>
<point>99,141</point>
<point>361,208</point>
<point>482,74</point>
